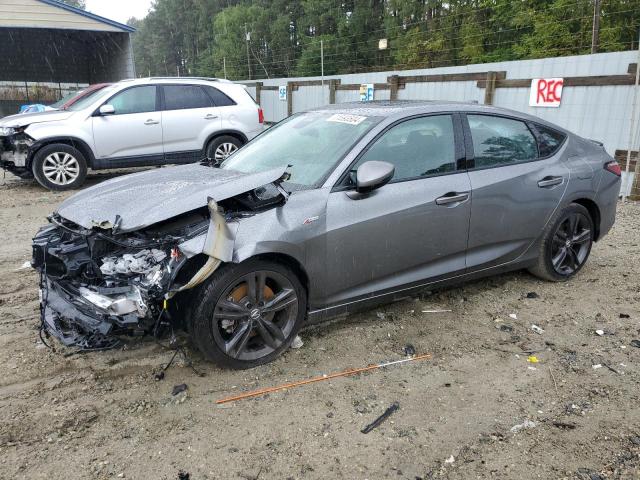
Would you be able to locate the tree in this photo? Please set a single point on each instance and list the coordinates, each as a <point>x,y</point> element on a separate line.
<point>76,3</point>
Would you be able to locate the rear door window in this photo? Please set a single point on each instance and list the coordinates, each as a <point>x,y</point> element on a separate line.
<point>501,141</point>
<point>181,97</point>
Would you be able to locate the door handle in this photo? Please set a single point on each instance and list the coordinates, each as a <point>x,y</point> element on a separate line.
<point>210,116</point>
<point>151,121</point>
<point>452,197</point>
<point>550,182</point>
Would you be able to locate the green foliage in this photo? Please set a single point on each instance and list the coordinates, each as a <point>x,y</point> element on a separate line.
<point>76,3</point>
<point>207,37</point>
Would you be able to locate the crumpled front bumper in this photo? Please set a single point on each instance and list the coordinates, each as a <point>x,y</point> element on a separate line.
<point>74,322</point>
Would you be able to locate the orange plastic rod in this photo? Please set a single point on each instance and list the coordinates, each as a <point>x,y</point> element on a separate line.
<point>344,373</point>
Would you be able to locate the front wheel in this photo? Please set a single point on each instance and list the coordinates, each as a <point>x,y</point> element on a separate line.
<point>247,314</point>
<point>59,167</point>
<point>566,244</point>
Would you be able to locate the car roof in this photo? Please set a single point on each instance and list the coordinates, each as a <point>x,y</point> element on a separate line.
<point>404,108</point>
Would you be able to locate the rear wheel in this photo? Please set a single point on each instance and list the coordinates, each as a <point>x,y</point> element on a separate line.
<point>59,167</point>
<point>566,244</point>
<point>248,314</point>
<point>220,148</point>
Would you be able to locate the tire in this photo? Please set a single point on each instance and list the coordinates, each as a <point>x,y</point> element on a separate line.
<point>577,246</point>
<point>72,164</point>
<point>221,147</point>
<point>221,339</point>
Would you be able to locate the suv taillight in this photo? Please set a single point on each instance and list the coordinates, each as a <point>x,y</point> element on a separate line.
<point>260,115</point>
<point>613,167</point>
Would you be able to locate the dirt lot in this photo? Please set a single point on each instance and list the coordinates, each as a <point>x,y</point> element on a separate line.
<point>102,415</point>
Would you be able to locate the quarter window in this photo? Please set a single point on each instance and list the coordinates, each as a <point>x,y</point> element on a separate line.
<point>181,97</point>
<point>419,147</point>
<point>219,98</point>
<point>549,141</point>
<point>500,141</point>
<point>134,100</point>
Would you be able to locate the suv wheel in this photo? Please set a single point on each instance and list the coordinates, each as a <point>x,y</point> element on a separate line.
<point>222,147</point>
<point>59,167</point>
<point>247,314</point>
<point>566,244</point>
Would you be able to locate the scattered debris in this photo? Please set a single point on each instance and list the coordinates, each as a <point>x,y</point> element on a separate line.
<point>533,295</point>
<point>409,350</point>
<point>600,332</point>
<point>635,343</point>
<point>524,425</point>
<point>505,328</point>
<point>159,376</point>
<point>179,388</point>
<point>380,315</point>
<point>596,366</point>
<point>625,315</point>
<point>297,342</point>
<point>435,311</point>
<point>451,459</point>
<point>586,474</point>
<point>635,439</point>
<point>537,329</point>
<point>24,266</point>
<point>513,315</point>
<point>565,425</point>
<point>378,421</point>
<point>532,359</point>
<point>610,368</point>
<point>532,368</point>
<point>182,475</point>
<point>321,378</point>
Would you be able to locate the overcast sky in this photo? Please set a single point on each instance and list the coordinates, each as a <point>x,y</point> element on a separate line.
<point>119,10</point>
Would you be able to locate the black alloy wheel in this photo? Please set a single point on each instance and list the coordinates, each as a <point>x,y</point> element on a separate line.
<point>571,244</point>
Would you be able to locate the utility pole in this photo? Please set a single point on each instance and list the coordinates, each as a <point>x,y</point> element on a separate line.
<point>246,37</point>
<point>322,61</point>
<point>595,34</point>
<point>224,66</point>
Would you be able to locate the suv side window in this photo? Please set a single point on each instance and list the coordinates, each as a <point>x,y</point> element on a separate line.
<point>181,97</point>
<point>501,141</point>
<point>418,147</point>
<point>219,98</point>
<point>134,100</point>
<point>549,140</point>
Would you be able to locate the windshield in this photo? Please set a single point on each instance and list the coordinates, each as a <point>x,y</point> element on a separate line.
<point>89,99</point>
<point>311,144</point>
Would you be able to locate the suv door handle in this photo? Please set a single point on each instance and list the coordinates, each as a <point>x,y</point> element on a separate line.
<point>151,121</point>
<point>550,182</point>
<point>452,197</point>
<point>210,116</point>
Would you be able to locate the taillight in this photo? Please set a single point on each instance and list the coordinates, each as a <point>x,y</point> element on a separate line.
<point>613,167</point>
<point>260,115</point>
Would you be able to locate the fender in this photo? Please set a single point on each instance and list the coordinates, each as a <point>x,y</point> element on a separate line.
<point>218,133</point>
<point>75,142</point>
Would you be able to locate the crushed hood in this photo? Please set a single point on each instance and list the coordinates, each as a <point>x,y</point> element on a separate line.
<point>23,119</point>
<point>142,199</point>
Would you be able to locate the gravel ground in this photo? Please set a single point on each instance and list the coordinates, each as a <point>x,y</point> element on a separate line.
<point>478,409</point>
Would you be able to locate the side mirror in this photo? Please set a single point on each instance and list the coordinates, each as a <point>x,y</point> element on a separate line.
<point>373,174</point>
<point>107,110</point>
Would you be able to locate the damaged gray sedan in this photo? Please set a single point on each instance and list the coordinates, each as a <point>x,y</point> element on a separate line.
<point>328,212</point>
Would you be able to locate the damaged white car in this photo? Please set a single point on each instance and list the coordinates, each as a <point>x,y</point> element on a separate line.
<point>329,211</point>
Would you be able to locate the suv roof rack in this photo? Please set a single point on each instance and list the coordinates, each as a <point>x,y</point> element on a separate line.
<point>210,79</point>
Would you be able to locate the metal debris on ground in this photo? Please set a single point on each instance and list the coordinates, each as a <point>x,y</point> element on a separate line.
<point>297,342</point>
<point>600,332</point>
<point>537,329</point>
<point>435,311</point>
<point>159,376</point>
<point>565,425</point>
<point>625,315</point>
<point>182,475</point>
<point>513,316</point>
<point>378,421</point>
<point>596,366</point>
<point>321,378</point>
<point>532,295</point>
<point>505,328</point>
<point>635,343</point>
<point>179,388</point>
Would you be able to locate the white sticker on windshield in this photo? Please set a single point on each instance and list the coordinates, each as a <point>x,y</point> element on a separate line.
<point>346,118</point>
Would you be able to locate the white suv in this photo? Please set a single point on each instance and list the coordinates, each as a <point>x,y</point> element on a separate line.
<point>132,123</point>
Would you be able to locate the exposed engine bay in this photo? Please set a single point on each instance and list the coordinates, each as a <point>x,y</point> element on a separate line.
<point>100,283</point>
